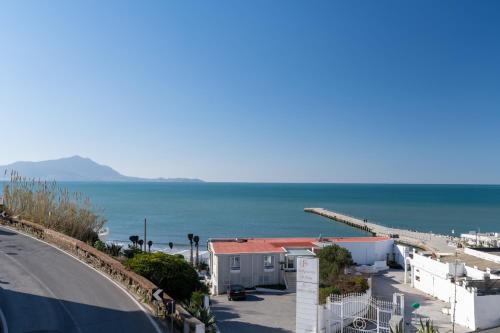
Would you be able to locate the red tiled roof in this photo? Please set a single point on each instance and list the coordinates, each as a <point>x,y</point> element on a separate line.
<point>276,245</point>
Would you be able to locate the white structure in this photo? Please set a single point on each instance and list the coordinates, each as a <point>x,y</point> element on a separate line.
<point>477,291</point>
<point>263,261</point>
<point>488,239</point>
<point>306,317</point>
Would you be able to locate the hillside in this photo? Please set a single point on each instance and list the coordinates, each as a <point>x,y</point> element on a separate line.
<point>75,168</point>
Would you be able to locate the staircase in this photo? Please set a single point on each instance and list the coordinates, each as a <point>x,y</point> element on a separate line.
<point>291,281</point>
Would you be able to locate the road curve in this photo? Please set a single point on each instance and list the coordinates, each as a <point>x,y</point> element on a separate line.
<point>45,290</point>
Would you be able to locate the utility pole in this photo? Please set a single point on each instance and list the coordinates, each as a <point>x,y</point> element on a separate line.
<point>145,240</point>
<point>455,297</point>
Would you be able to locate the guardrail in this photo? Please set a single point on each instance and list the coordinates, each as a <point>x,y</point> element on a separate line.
<point>138,285</point>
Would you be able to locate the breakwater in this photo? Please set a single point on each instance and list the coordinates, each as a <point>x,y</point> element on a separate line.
<point>423,240</point>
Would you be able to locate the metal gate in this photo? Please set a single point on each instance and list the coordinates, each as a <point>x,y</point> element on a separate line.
<point>361,313</point>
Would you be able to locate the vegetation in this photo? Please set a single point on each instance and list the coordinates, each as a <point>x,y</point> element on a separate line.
<point>333,260</point>
<point>100,245</point>
<point>190,238</point>
<point>53,207</point>
<point>324,292</point>
<point>112,249</point>
<point>171,273</point>
<point>196,240</point>
<point>428,327</point>
<point>197,309</point>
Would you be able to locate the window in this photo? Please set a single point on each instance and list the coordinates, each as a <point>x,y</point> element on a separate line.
<point>268,262</point>
<point>235,263</point>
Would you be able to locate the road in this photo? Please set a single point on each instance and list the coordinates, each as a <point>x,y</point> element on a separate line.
<point>45,290</point>
<point>262,313</point>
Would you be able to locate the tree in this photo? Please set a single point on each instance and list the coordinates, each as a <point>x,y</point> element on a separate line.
<point>134,239</point>
<point>140,242</point>
<point>170,245</point>
<point>150,242</point>
<point>332,261</point>
<point>190,237</point>
<point>169,272</point>
<point>196,244</point>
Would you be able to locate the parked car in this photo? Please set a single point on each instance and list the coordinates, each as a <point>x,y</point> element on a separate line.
<point>236,292</point>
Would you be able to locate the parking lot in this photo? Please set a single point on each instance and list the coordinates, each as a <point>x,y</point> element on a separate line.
<point>266,313</point>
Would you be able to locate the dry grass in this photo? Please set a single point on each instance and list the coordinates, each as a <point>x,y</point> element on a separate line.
<point>52,206</point>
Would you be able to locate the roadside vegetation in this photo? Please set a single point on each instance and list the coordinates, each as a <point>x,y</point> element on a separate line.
<point>171,273</point>
<point>333,262</point>
<point>53,207</point>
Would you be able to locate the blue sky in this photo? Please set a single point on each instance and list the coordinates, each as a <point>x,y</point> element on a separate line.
<point>285,91</point>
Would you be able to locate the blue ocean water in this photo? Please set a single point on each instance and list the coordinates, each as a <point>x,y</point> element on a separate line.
<point>276,210</point>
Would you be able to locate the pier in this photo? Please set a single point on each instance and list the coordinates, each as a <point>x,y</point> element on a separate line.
<point>423,240</point>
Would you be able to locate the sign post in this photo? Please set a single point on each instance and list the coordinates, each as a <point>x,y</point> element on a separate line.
<point>307,295</point>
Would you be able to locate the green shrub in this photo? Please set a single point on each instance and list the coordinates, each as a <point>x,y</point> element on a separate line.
<point>332,261</point>
<point>131,252</point>
<point>324,292</point>
<point>113,249</point>
<point>100,245</point>
<point>197,299</point>
<point>171,273</point>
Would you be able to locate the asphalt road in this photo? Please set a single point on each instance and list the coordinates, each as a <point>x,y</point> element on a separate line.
<point>45,290</point>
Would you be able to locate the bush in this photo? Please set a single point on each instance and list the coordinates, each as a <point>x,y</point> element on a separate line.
<point>324,292</point>
<point>332,261</point>
<point>113,249</point>
<point>100,245</point>
<point>53,207</point>
<point>171,273</point>
<point>131,252</point>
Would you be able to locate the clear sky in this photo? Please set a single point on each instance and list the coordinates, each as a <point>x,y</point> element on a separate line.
<point>299,91</point>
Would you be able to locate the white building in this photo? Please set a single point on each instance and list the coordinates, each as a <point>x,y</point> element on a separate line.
<point>269,261</point>
<point>470,278</point>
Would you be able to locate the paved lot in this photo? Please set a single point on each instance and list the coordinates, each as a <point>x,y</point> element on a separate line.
<point>392,281</point>
<point>263,313</point>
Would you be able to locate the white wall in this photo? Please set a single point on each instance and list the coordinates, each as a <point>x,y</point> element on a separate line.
<point>400,253</point>
<point>487,311</point>
<point>432,277</point>
<point>482,255</point>
<point>366,253</point>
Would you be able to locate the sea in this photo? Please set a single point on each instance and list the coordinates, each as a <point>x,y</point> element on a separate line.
<point>210,210</point>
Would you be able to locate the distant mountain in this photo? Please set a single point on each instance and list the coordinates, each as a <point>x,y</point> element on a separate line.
<point>76,168</point>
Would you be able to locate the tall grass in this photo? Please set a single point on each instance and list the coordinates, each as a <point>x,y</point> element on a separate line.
<point>52,206</point>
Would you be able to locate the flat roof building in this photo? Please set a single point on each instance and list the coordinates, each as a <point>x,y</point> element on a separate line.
<point>255,262</point>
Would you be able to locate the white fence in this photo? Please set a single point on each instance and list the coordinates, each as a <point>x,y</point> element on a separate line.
<point>360,313</point>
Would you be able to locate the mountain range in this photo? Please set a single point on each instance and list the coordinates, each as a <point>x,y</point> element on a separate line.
<point>75,168</point>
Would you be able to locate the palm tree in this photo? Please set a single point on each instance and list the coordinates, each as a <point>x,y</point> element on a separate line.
<point>140,242</point>
<point>190,237</point>
<point>134,239</point>
<point>170,245</point>
<point>428,327</point>
<point>150,242</point>
<point>196,243</point>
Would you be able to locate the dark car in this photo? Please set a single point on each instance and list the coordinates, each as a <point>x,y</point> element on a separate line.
<point>235,292</point>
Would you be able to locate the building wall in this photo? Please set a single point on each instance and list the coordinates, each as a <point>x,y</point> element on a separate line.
<point>251,273</point>
<point>366,253</point>
<point>487,312</point>
<point>432,277</point>
<point>400,253</point>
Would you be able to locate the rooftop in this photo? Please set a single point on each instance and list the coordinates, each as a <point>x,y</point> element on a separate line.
<point>278,245</point>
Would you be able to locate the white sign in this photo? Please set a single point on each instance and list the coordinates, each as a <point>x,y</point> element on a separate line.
<point>307,295</point>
